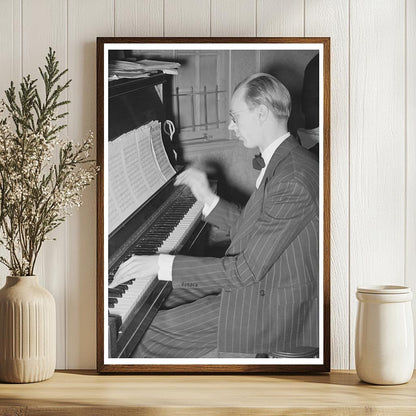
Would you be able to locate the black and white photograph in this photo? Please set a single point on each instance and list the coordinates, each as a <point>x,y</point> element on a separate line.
<point>213,214</point>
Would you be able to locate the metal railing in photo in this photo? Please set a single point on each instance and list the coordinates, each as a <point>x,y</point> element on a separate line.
<point>199,99</point>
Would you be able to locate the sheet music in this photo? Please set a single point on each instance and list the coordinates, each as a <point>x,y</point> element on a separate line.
<point>133,169</point>
<point>114,215</point>
<point>118,184</point>
<point>138,167</point>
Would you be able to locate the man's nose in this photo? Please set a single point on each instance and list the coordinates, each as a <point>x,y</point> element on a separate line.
<point>232,126</point>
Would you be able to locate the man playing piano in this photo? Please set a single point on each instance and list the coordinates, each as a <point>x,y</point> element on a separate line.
<point>261,297</point>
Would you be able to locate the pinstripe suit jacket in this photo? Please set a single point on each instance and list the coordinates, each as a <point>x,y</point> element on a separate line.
<point>269,275</point>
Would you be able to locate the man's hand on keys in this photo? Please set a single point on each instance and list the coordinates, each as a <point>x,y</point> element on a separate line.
<point>135,267</point>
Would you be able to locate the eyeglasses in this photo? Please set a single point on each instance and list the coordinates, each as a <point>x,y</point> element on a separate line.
<point>233,114</point>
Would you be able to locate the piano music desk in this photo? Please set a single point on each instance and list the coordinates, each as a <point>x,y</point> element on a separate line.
<point>86,393</point>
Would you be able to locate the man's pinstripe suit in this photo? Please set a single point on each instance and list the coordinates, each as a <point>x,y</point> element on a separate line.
<point>268,279</point>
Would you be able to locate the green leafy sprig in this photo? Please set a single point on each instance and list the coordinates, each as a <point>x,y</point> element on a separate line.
<point>41,176</point>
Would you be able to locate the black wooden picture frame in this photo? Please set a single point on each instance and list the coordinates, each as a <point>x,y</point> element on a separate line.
<point>126,102</point>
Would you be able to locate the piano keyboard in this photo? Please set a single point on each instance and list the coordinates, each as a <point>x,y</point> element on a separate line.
<point>176,236</point>
<point>165,236</point>
<point>130,292</point>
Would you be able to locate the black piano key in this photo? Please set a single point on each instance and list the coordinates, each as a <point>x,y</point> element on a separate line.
<point>145,245</point>
<point>112,301</point>
<point>151,241</point>
<point>159,234</point>
<point>144,252</point>
<point>115,293</point>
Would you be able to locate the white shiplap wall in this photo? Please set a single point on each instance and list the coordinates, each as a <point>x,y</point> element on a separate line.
<point>373,124</point>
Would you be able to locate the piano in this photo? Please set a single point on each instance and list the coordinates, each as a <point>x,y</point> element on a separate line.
<point>168,222</point>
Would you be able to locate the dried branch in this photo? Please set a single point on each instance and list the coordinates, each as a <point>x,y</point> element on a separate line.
<point>36,193</point>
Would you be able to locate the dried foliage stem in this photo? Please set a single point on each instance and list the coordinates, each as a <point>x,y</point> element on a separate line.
<point>36,193</point>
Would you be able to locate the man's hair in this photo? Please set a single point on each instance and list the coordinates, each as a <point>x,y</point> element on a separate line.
<point>265,89</point>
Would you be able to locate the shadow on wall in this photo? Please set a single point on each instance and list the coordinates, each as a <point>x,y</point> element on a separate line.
<point>288,67</point>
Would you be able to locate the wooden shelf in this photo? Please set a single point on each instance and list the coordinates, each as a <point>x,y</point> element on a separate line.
<point>86,393</point>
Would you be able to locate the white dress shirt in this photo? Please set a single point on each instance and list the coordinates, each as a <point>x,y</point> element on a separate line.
<point>165,261</point>
<point>267,154</point>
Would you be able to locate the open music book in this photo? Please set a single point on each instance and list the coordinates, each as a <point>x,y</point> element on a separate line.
<point>137,167</point>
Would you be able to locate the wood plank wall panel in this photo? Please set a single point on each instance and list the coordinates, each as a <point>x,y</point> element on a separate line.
<point>331,18</point>
<point>187,18</point>
<point>6,46</point>
<point>138,17</point>
<point>280,18</point>
<point>233,18</point>
<point>44,24</point>
<point>377,152</point>
<point>411,152</point>
<point>382,161</point>
<point>10,44</point>
<point>10,67</point>
<point>86,20</point>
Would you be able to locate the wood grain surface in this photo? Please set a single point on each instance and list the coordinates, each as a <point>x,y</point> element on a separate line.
<point>377,141</point>
<point>410,258</point>
<point>280,18</point>
<point>186,18</point>
<point>85,393</point>
<point>85,18</point>
<point>36,39</point>
<point>233,18</point>
<point>138,17</point>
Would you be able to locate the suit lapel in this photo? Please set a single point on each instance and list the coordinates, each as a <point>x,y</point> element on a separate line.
<point>277,157</point>
<point>255,203</point>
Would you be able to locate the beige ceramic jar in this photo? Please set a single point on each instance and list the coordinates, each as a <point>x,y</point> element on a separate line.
<point>27,331</point>
<point>384,342</point>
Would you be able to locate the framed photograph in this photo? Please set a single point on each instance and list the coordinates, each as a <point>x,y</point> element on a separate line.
<point>213,230</point>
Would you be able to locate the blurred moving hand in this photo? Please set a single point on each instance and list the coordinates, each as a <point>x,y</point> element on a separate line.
<point>198,183</point>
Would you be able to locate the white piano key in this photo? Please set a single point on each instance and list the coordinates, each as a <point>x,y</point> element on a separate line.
<point>126,303</point>
<point>176,236</point>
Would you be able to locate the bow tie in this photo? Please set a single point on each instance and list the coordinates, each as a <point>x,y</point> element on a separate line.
<point>258,162</point>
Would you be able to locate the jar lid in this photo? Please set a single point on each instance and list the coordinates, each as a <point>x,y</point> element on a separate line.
<point>384,289</point>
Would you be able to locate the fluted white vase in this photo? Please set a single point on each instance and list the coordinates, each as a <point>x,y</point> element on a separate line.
<point>27,331</point>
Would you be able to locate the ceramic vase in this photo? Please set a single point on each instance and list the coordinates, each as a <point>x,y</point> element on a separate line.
<point>27,331</point>
<point>384,343</point>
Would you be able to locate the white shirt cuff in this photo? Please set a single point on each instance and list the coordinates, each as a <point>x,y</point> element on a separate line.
<point>209,207</point>
<point>165,262</point>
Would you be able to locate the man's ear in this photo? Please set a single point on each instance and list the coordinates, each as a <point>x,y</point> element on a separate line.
<point>263,113</point>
